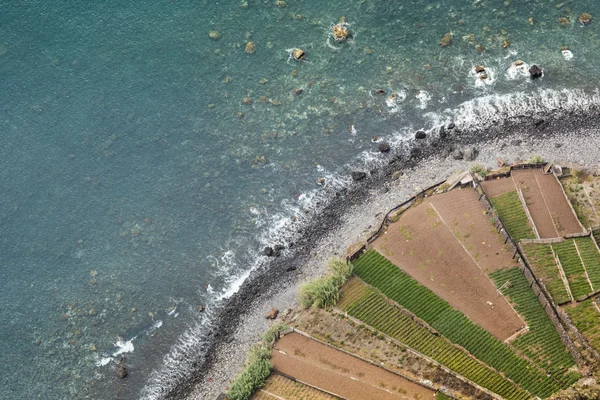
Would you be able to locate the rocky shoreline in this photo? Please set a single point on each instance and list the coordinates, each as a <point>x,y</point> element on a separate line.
<point>352,213</point>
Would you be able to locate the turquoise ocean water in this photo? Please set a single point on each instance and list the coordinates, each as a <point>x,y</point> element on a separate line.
<point>137,185</point>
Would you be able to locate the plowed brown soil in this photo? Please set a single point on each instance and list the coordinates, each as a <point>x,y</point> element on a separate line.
<point>334,371</point>
<point>498,186</point>
<point>547,204</point>
<point>448,245</point>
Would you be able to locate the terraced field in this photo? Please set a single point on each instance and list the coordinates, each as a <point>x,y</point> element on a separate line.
<point>571,264</point>
<point>591,259</point>
<point>278,387</point>
<point>586,317</point>
<point>541,258</point>
<point>511,213</point>
<point>377,271</point>
<point>373,309</point>
<point>542,344</point>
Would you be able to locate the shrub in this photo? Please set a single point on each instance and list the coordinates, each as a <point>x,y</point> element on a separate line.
<point>536,159</point>
<point>325,291</point>
<point>253,376</point>
<point>479,169</point>
<point>273,332</point>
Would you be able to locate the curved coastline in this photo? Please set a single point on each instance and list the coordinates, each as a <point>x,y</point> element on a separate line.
<point>353,212</point>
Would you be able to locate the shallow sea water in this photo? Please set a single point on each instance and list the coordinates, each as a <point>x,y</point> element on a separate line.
<point>135,184</point>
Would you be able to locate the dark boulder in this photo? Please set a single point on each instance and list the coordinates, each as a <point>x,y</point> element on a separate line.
<point>268,251</point>
<point>384,147</point>
<point>457,154</point>
<point>442,132</point>
<point>420,135</point>
<point>470,154</point>
<point>451,125</point>
<point>535,72</point>
<point>122,370</point>
<point>358,176</point>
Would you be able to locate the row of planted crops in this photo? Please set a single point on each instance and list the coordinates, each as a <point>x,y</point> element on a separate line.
<point>510,372</point>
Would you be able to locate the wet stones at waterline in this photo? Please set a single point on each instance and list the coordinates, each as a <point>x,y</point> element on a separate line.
<point>535,72</point>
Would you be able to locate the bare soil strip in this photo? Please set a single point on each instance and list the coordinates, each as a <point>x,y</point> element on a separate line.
<point>499,186</point>
<point>546,203</point>
<point>426,248</point>
<point>334,371</point>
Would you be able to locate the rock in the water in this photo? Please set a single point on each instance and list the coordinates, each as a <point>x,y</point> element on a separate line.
<point>272,314</point>
<point>446,40</point>
<point>320,181</point>
<point>457,154</point>
<point>122,370</point>
<point>479,68</point>
<point>470,154</point>
<point>268,251</point>
<point>420,135</point>
<point>384,147</point>
<point>200,308</point>
<point>535,72</point>
<point>358,175</point>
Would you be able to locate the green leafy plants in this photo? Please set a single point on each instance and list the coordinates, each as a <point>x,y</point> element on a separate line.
<point>536,159</point>
<point>479,169</point>
<point>325,291</point>
<point>542,260</point>
<point>255,372</point>
<point>394,283</point>
<point>511,213</point>
<point>573,267</point>
<point>591,259</point>
<point>371,307</point>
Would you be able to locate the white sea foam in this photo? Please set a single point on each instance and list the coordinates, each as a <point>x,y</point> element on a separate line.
<point>424,99</point>
<point>567,54</point>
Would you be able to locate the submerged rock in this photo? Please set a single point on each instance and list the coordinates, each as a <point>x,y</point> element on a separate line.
<point>268,251</point>
<point>384,147</point>
<point>298,54</point>
<point>535,72</point>
<point>585,18</point>
<point>446,40</point>
<point>340,31</point>
<point>214,35</point>
<point>250,48</point>
<point>479,68</point>
<point>358,175</point>
<point>122,370</point>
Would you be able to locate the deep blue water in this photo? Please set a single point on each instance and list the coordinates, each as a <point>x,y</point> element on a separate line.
<point>132,190</point>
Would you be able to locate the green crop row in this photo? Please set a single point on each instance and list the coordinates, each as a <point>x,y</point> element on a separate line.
<point>542,260</point>
<point>375,310</point>
<point>542,343</point>
<point>585,316</point>
<point>511,213</point>
<point>591,259</point>
<point>377,271</point>
<point>571,264</point>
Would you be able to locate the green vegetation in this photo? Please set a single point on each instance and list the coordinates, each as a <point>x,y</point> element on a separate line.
<point>510,210</point>
<point>325,291</point>
<point>536,159</point>
<point>586,316</point>
<point>375,310</point>
<point>479,169</point>
<point>571,264</point>
<point>442,396</point>
<point>257,367</point>
<point>591,259</point>
<point>542,343</point>
<point>541,258</point>
<point>377,271</point>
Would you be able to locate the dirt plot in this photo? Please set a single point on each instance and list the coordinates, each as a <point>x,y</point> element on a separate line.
<point>321,366</point>
<point>278,387</point>
<point>583,190</point>
<point>547,204</point>
<point>423,244</point>
<point>499,186</point>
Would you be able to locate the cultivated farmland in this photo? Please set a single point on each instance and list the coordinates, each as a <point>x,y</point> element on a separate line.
<point>448,244</point>
<point>586,317</point>
<point>511,213</point>
<point>573,267</point>
<point>591,259</point>
<point>541,258</point>
<point>336,372</point>
<point>547,204</point>
<point>398,286</point>
<point>542,343</point>
<point>278,387</point>
<point>374,310</point>
<point>583,192</point>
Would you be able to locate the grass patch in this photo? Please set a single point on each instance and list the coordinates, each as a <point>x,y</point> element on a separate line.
<point>511,213</point>
<point>325,291</point>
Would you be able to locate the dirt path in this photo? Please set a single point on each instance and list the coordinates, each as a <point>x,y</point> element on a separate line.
<point>424,246</point>
<point>334,371</point>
